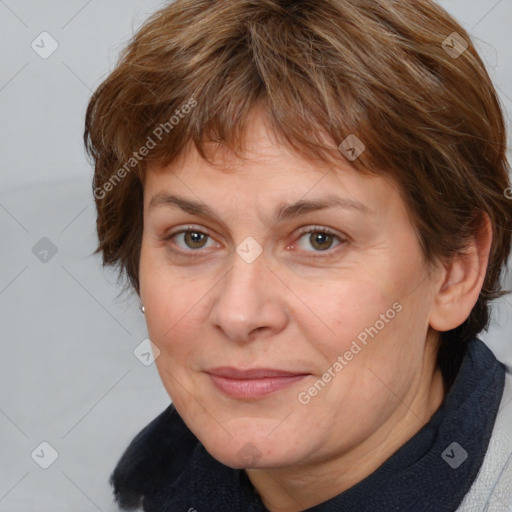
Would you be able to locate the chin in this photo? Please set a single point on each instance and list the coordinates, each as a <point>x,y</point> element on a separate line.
<point>253,451</point>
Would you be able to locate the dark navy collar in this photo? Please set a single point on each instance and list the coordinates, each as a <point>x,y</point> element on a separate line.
<point>166,469</point>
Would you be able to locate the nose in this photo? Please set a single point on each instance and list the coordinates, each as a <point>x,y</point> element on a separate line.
<point>248,301</point>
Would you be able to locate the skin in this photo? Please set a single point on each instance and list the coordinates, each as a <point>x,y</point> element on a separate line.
<point>293,311</point>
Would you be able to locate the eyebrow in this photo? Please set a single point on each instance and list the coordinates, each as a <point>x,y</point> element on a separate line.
<point>282,212</point>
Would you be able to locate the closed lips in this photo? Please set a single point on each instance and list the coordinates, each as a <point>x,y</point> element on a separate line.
<point>252,384</point>
<point>253,373</point>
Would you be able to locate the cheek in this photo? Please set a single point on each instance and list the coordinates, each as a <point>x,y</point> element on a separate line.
<point>345,310</point>
<point>174,322</point>
<point>369,328</point>
<point>172,327</point>
<point>169,302</point>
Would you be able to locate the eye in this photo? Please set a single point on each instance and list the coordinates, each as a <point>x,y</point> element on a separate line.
<point>321,239</point>
<point>191,237</point>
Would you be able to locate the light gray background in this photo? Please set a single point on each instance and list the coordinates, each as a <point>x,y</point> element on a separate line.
<point>68,375</point>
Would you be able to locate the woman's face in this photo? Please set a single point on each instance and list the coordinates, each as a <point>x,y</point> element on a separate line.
<point>341,313</point>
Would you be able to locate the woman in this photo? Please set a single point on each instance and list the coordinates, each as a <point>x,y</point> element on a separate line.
<point>310,199</point>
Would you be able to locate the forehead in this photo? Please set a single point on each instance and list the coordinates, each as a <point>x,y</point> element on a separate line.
<point>268,172</point>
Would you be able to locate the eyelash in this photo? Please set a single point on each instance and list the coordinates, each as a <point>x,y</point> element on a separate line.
<point>301,233</point>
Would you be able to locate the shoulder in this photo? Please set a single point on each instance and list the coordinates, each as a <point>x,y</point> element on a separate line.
<point>492,489</point>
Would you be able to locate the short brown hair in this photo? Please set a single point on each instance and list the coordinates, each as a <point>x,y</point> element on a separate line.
<point>378,69</point>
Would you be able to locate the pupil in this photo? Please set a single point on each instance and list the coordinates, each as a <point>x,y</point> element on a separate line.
<point>318,237</point>
<point>195,237</point>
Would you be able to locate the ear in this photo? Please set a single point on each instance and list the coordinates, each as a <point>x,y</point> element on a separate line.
<point>461,282</point>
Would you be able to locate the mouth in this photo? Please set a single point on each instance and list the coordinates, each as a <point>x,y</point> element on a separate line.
<point>252,383</point>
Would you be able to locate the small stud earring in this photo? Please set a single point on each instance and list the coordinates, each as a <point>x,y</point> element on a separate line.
<point>143,309</point>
